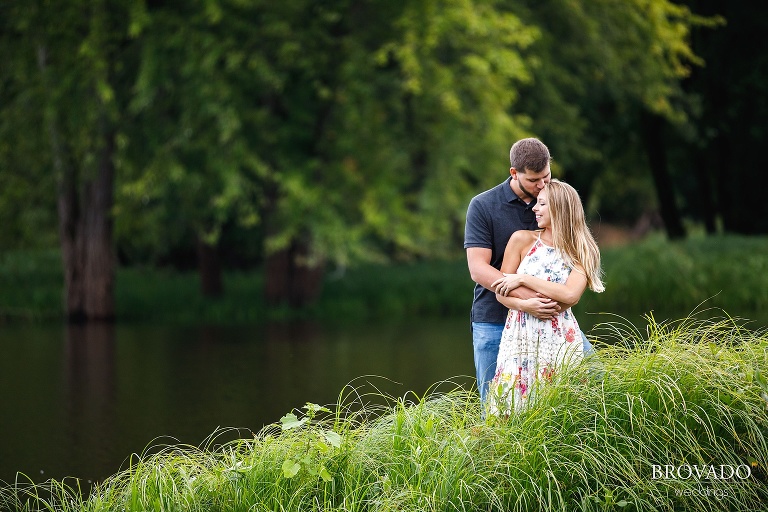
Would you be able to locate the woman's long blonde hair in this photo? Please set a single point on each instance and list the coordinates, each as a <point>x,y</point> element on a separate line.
<point>570,233</point>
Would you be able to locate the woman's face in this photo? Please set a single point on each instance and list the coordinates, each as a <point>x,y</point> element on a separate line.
<point>541,209</point>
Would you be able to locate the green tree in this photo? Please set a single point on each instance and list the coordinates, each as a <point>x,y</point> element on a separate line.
<point>192,162</point>
<point>390,117</point>
<point>64,67</point>
<point>336,131</point>
<point>27,205</point>
<point>607,82</point>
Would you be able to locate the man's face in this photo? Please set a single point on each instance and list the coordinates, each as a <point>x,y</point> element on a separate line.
<point>531,183</point>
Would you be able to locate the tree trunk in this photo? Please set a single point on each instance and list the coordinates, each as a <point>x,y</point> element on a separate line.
<point>99,254</point>
<point>291,277</point>
<point>85,229</point>
<point>652,128</point>
<point>209,268</point>
<point>84,203</point>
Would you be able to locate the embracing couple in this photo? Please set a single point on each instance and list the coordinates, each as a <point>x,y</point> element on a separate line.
<point>531,255</point>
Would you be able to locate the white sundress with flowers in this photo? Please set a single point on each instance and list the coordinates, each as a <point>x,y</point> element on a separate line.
<point>531,349</point>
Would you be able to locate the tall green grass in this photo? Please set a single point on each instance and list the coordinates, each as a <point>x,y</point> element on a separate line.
<point>689,393</point>
<point>728,272</point>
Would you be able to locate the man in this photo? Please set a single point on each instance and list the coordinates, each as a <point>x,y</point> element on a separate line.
<point>492,217</point>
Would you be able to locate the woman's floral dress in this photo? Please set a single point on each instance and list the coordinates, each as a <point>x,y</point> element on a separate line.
<point>532,350</point>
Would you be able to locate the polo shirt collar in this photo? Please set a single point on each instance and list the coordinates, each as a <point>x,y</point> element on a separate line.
<point>509,195</point>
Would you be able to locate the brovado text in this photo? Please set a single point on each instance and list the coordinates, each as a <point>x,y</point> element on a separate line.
<point>701,472</point>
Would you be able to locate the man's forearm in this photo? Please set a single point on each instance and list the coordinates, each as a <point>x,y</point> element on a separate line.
<point>485,275</point>
<point>523,292</point>
<point>540,307</point>
<point>510,302</point>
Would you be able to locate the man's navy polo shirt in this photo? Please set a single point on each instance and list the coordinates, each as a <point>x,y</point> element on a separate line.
<point>492,217</point>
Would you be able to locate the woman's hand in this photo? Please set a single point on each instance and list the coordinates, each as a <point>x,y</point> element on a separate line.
<point>541,307</point>
<point>504,285</point>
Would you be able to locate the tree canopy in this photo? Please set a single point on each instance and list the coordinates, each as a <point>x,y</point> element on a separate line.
<point>326,132</point>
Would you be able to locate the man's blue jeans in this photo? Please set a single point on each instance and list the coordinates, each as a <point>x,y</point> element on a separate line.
<point>486,338</point>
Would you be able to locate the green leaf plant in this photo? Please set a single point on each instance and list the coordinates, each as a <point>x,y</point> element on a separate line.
<point>317,447</point>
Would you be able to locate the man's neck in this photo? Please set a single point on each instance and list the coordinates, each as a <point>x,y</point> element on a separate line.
<point>515,186</point>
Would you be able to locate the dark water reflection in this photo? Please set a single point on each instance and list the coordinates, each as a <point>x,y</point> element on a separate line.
<point>78,401</point>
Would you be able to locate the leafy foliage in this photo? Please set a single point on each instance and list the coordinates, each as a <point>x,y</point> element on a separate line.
<point>599,65</point>
<point>357,130</point>
<point>364,127</point>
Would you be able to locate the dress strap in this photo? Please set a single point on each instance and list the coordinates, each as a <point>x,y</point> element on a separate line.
<point>541,242</point>
<point>536,243</point>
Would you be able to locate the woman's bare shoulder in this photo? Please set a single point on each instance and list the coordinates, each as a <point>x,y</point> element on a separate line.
<point>521,241</point>
<point>524,237</point>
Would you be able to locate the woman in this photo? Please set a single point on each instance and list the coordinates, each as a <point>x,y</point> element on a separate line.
<point>559,260</point>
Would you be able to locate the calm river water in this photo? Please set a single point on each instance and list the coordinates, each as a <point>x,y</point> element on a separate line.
<point>78,401</point>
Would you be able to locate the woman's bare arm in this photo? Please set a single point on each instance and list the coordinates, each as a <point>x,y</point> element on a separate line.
<point>567,294</point>
<point>523,298</point>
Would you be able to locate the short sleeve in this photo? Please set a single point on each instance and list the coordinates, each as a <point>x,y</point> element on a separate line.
<point>477,230</point>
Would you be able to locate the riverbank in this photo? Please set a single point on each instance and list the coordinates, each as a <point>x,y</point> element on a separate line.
<point>673,420</point>
<point>726,272</point>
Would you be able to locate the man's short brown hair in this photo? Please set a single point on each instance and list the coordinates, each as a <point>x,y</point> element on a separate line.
<point>529,155</point>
